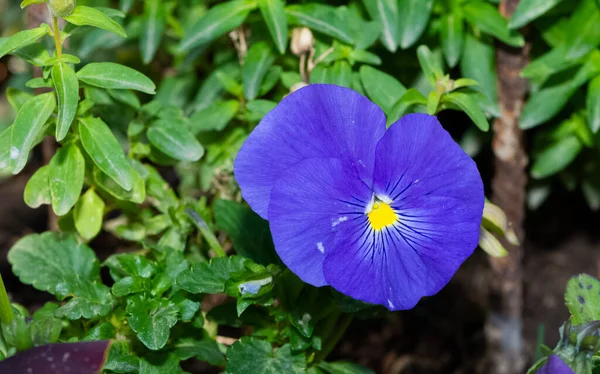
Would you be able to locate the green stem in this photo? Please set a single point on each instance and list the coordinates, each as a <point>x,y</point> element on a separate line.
<point>333,340</point>
<point>6,312</point>
<point>56,32</point>
<point>210,237</point>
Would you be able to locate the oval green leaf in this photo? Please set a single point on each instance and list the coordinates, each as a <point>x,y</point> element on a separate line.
<point>321,18</point>
<point>88,16</point>
<point>88,215</point>
<point>488,19</point>
<point>386,12</point>
<point>593,105</point>
<point>67,91</point>
<point>258,61</point>
<point>37,190</point>
<point>414,15</point>
<point>115,76</point>
<point>175,140</point>
<point>273,12</point>
<point>381,87</point>
<point>155,18</point>
<point>66,176</point>
<point>469,105</point>
<point>22,39</point>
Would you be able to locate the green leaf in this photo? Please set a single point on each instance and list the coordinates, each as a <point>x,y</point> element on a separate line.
<point>258,61</point>
<point>386,12</point>
<point>155,18</point>
<point>37,190</point>
<point>593,105</point>
<point>5,138</point>
<point>469,105</point>
<point>88,215</point>
<point>479,63</point>
<point>230,84</point>
<point>529,10</point>
<point>251,355</point>
<point>340,74</point>
<point>175,140</point>
<point>36,54</point>
<point>250,233</point>
<point>381,87</point>
<point>410,98</point>
<point>206,350</point>
<point>16,98</point>
<point>321,18</point>
<point>219,20</point>
<point>556,157</point>
<point>151,319</point>
<point>583,299</point>
<point>39,83</point>
<point>26,3</point>
<point>126,97</point>
<point>273,12</point>
<point>545,104</point>
<point>583,35</point>
<point>67,91</point>
<point>210,277</point>
<point>66,176</point>
<point>215,117</point>
<point>115,76</point>
<point>486,17</point>
<point>211,88</point>
<point>88,16</point>
<point>414,15</point>
<point>56,263</point>
<point>430,65</point>
<point>29,123</point>
<point>136,195</point>
<point>160,363</point>
<point>22,39</point>
<point>452,37</point>
<point>105,150</point>
<point>344,367</point>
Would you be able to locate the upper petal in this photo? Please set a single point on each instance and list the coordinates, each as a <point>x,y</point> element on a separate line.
<point>317,121</point>
<point>310,202</point>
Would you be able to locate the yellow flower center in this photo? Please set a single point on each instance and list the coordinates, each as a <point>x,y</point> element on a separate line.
<point>381,215</point>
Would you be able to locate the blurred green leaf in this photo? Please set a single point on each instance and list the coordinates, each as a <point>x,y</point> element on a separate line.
<point>528,10</point>
<point>215,117</point>
<point>67,91</point>
<point>106,152</point>
<point>175,140</point>
<point>31,117</point>
<point>344,367</point>
<point>381,87</point>
<point>386,12</point>
<point>155,18</point>
<point>37,190</point>
<point>452,37</point>
<point>219,20</point>
<point>432,69</point>
<point>88,16</point>
<point>16,98</point>
<point>545,104</point>
<point>258,61</point>
<point>488,19</point>
<point>593,105</point>
<point>35,54</point>
<point>66,176</point>
<point>88,215</point>
<point>22,39</point>
<point>115,76</point>
<point>321,18</point>
<point>556,157</point>
<point>273,12</point>
<point>414,15</point>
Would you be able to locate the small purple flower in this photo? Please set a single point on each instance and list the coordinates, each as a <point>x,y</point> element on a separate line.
<point>385,217</point>
<point>555,365</point>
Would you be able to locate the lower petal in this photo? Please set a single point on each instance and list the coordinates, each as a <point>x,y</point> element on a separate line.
<point>309,204</point>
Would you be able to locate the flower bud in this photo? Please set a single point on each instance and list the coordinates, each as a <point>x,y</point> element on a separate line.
<point>61,8</point>
<point>302,41</point>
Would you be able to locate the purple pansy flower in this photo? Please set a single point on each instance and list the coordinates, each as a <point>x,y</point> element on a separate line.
<point>385,217</point>
<point>555,365</point>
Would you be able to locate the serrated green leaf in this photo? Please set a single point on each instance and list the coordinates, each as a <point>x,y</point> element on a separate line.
<point>22,39</point>
<point>160,363</point>
<point>273,12</point>
<point>469,105</point>
<point>67,91</point>
<point>251,355</point>
<point>37,190</point>
<point>529,10</point>
<point>206,350</point>
<point>88,16</point>
<point>210,277</point>
<point>452,37</point>
<point>29,123</point>
<point>56,263</point>
<point>381,87</point>
<point>583,299</point>
<point>66,176</point>
<point>88,215</point>
<point>175,140</point>
<point>128,286</point>
<point>488,19</point>
<point>556,157</point>
<point>155,18</point>
<point>414,15</point>
<point>215,117</point>
<point>151,319</point>
<point>258,61</point>
<point>115,76</point>
<point>386,12</point>
<point>106,152</point>
<point>219,20</point>
<point>321,18</point>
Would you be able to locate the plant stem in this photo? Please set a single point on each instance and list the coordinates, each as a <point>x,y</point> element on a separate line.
<point>6,313</point>
<point>338,333</point>
<point>210,237</point>
<point>56,32</point>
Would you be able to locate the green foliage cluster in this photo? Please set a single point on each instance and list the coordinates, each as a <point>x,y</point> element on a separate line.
<point>206,73</point>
